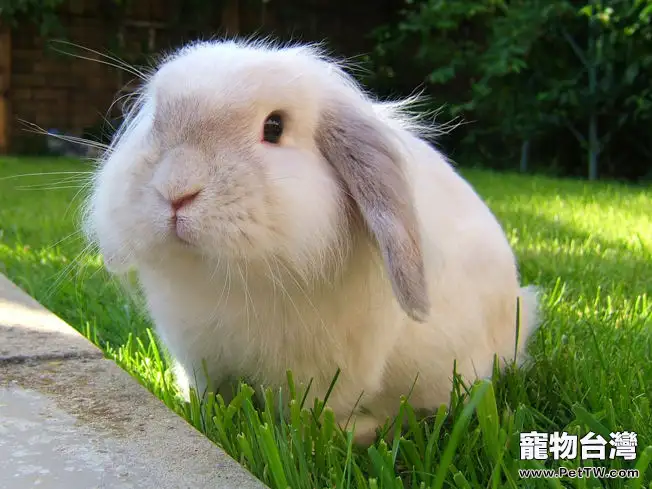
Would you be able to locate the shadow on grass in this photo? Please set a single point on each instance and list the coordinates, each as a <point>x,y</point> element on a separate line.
<point>522,186</point>
<point>549,250</point>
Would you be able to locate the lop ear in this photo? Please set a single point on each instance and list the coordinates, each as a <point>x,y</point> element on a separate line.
<point>360,148</point>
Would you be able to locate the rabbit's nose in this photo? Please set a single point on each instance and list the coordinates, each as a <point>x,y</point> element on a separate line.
<point>183,200</point>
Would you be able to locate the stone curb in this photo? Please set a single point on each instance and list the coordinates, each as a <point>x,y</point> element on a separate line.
<point>71,419</point>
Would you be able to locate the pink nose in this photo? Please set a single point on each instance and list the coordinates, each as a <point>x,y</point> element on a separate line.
<point>179,202</point>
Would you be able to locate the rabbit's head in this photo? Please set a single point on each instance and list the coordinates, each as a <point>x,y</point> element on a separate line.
<point>247,152</point>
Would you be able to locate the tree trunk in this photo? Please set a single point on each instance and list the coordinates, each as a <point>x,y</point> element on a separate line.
<point>593,147</point>
<point>525,155</point>
<point>594,61</point>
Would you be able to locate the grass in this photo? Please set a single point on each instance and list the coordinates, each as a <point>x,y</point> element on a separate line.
<point>588,245</point>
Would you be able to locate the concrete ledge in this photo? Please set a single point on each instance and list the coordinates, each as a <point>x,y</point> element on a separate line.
<point>28,330</point>
<point>71,419</point>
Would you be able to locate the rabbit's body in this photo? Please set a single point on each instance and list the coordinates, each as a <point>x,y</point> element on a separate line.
<point>303,265</point>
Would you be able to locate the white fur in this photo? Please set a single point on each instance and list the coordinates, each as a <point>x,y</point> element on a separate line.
<point>271,278</point>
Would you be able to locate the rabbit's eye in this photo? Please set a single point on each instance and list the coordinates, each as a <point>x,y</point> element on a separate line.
<point>273,128</point>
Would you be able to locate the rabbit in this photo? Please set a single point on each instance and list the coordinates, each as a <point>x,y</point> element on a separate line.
<point>278,217</point>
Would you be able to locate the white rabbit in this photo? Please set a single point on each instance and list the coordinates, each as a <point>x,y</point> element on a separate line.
<point>280,219</point>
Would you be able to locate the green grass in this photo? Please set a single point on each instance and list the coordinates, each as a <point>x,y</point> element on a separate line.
<point>588,245</point>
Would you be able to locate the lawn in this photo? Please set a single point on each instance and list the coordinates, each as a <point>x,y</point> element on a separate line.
<point>588,245</point>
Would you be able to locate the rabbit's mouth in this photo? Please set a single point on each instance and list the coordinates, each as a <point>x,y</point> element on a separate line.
<point>215,235</point>
<point>182,230</point>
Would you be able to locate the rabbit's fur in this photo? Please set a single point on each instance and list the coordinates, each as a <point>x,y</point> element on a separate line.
<point>352,244</point>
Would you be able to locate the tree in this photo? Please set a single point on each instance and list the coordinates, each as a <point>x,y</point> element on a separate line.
<point>533,70</point>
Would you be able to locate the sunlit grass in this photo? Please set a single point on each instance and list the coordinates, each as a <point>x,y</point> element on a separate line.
<point>588,245</point>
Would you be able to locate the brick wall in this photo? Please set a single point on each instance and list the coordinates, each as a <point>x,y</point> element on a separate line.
<point>5,83</point>
<point>60,91</point>
<point>55,90</point>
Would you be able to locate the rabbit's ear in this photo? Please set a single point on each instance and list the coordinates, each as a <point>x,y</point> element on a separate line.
<point>360,148</point>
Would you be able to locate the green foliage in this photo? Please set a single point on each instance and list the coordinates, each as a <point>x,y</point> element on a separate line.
<point>534,70</point>
<point>41,12</point>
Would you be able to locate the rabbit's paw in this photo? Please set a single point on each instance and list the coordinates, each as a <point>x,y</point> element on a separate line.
<point>364,428</point>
